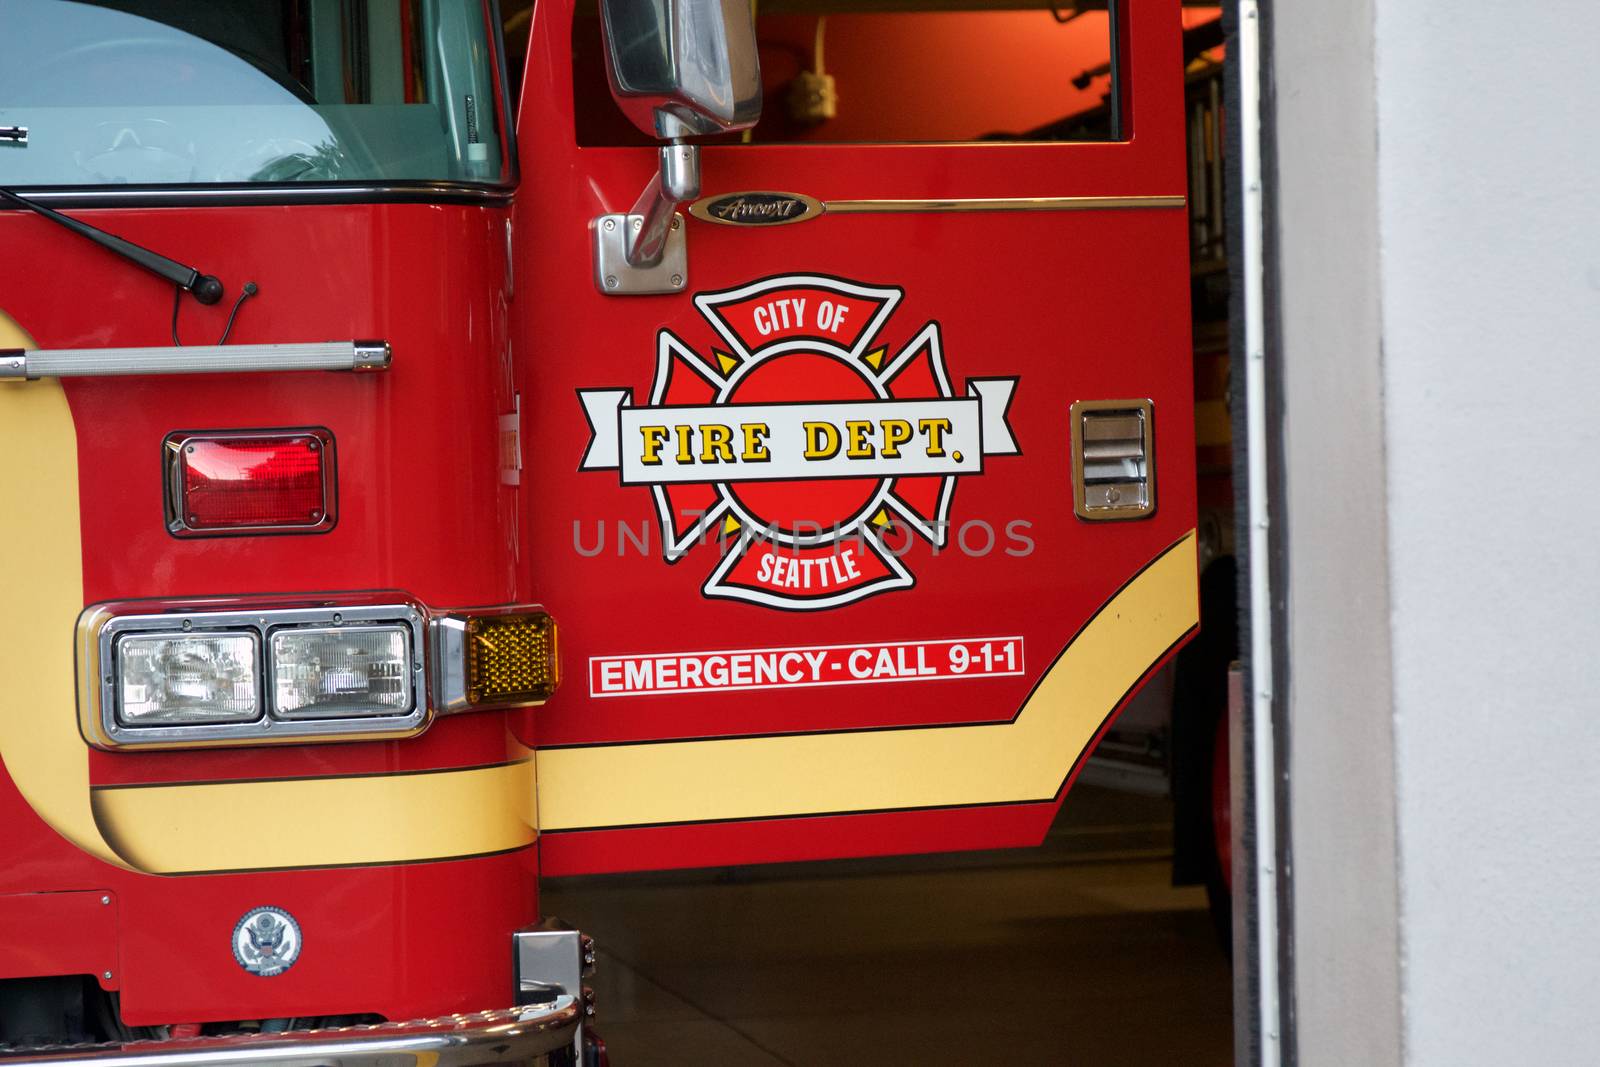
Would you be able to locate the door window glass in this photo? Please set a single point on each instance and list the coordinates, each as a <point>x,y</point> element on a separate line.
<point>175,92</point>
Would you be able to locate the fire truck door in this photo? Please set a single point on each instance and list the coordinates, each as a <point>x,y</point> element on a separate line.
<point>858,541</point>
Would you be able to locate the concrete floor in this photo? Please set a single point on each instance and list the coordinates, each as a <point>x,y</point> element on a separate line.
<point>1079,952</point>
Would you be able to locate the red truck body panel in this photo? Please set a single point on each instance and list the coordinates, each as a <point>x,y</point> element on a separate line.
<point>1071,304</point>
<point>409,863</point>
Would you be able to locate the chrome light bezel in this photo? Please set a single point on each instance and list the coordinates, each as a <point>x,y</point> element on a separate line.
<point>102,626</point>
<point>174,463</point>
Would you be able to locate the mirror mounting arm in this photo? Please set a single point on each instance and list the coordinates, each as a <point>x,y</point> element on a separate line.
<point>678,69</point>
<point>644,250</point>
<point>676,180</point>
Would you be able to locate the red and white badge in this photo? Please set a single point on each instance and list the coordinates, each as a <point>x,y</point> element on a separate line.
<point>796,448</point>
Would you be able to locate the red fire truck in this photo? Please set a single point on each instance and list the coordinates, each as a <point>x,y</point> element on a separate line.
<point>418,481</point>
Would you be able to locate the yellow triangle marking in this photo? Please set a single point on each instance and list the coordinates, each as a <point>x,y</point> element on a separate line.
<point>882,517</point>
<point>875,357</point>
<point>725,361</point>
<point>730,525</point>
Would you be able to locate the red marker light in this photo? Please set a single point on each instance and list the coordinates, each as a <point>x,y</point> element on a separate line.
<point>249,482</point>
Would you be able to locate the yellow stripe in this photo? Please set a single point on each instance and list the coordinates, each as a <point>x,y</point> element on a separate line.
<point>398,818</point>
<point>1024,760</point>
<point>41,592</point>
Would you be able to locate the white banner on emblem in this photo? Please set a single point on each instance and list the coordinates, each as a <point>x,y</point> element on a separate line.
<point>783,442</point>
<point>600,408</point>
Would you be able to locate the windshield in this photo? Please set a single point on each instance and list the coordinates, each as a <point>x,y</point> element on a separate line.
<point>178,92</point>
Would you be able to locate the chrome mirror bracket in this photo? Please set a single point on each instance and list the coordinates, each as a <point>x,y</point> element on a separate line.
<point>615,276</point>
<point>645,250</point>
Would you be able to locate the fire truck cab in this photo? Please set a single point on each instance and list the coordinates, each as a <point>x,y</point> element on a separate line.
<point>427,473</point>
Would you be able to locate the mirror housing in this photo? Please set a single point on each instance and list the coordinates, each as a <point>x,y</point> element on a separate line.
<point>680,68</point>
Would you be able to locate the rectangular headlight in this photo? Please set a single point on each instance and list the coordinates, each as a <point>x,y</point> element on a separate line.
<point>246,672</point>
<point>168,679</point>
<point>341,671</point>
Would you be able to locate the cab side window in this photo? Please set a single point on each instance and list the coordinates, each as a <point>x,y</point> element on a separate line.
<point>864,72</point>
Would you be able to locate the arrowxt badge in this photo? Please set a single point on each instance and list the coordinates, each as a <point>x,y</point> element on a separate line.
<point>803,443</point>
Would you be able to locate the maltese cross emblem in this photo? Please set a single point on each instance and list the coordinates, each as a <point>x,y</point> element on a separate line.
<point>800,441</point>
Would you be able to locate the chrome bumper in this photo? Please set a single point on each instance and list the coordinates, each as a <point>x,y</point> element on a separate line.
<point>518,1035</point>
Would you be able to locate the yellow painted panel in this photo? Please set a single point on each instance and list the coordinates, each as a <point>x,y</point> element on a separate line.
<point>217,826</point>
<point>1027,759</point>
<point>41,593</point>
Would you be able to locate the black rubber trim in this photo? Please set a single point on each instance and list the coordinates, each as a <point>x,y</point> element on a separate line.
<point>265,194</point>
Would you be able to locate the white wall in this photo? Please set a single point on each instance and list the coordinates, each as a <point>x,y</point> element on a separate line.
<point>1438,189</point>
<point>1339,741</point>
<point>1489,253</point>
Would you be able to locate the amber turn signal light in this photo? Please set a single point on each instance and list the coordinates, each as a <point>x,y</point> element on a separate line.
<point>501,658</point>
<point>511,659</point>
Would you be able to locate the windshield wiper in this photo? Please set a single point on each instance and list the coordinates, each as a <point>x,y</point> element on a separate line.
<point>206,288</point>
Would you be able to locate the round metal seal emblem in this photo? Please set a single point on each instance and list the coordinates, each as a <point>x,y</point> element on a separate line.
<point>266,941</point>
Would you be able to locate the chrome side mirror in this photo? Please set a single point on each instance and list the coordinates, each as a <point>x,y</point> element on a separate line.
<point>678,68</point>
<point>683,67</point>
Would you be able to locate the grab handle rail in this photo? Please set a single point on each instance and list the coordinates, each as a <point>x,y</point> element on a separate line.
<point>359,356</point>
